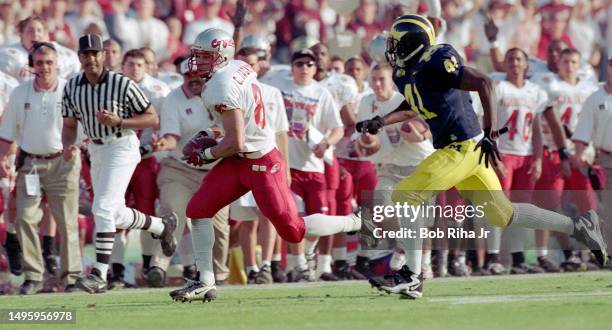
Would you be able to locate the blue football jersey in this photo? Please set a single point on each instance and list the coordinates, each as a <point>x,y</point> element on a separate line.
<point>431,88</point>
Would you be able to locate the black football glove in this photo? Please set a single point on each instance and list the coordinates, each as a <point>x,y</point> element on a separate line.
<point>488,147</point>
<point>371,126</point>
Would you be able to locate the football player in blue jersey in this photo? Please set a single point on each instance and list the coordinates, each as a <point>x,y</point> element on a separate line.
<point>436,85</point>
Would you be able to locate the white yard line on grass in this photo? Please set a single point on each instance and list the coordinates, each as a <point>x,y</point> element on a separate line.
<point>518,297</point>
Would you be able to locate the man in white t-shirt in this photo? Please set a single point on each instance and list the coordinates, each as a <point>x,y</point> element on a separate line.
<point>34,121</point>
<point>250,158</point>
<point>595,126</point>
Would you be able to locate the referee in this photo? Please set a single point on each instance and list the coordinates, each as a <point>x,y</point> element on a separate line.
<point>109,106</point>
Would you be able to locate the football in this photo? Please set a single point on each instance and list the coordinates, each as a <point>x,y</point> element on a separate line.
<point>413,129</point>
<point>200,141</point>
<point>367,145</point>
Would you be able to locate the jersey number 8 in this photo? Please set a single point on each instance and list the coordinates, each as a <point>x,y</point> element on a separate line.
<point>260,114</point>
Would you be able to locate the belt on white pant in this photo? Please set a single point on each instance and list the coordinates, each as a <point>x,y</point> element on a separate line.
<point>254,154</point>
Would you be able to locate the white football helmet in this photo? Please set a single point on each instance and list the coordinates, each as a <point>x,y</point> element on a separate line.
<point>212,50</point>
<point>258,42</point>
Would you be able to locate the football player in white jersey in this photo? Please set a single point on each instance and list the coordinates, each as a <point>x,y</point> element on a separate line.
<point>249,161</point>
<point>242,209</point>
<point>519,106</point>
<point>14,58</point>
<point>566,96</point>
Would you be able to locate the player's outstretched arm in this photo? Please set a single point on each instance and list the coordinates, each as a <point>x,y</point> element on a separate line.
<point>400,114</point>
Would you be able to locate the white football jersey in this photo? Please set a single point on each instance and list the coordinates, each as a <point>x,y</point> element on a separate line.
<point>309,108</point>
<point>595,122</point>
<point>235,86</point>
<point>394,150</point>
<point>183,115</point>
<point>14,61</point>
<point>567,101</point>
<point>7,84</point>
<point>516,109</point>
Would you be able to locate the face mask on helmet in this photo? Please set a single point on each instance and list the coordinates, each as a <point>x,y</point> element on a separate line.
<point>213,49</point>
<point>410,35</point>
<point>205,63</point>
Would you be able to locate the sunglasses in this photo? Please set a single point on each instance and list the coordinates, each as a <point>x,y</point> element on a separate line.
<point>300,64</point>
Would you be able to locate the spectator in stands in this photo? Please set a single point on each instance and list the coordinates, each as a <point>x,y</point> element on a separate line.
<point>144,30</point>
<point>87,12</point>
<point>112,52</point>
<point>59,29</point>
<point>209,20</point>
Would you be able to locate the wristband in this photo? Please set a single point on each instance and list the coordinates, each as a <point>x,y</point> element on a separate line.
<point>563,155</point>
<point>208,154</point>
<point>494,44</point>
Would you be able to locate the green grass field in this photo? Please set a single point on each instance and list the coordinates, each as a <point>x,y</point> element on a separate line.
<point>560,301</point>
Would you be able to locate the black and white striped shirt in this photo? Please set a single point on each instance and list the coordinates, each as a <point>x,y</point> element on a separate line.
<point>113,92</point>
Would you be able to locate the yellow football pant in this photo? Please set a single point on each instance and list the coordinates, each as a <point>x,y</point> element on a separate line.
<point>456,165</point>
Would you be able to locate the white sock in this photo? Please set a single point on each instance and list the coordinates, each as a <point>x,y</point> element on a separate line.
<point>493,240</point>
<point>339,253</point>
<point>397,260</point>
<point>118,254</point>
<point>412,246</point>
<point>323,264</point>
<point>128,218</point>
<point>252,268</point>
<point>301,262</point>
<point>426,257</point>
<point>310,246</point>
<point>10,227</point>
<point>541,253</point>
<point>203,240</point>
<point>103,268</point>
<point>277,257</point>
<point>291,261</point>
<point>531,216</point>
<point>324,225</point>
<point>265,263</point>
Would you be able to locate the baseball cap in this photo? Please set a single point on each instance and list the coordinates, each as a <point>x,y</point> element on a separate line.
<point>305,52</point>
<point>90,42</point>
